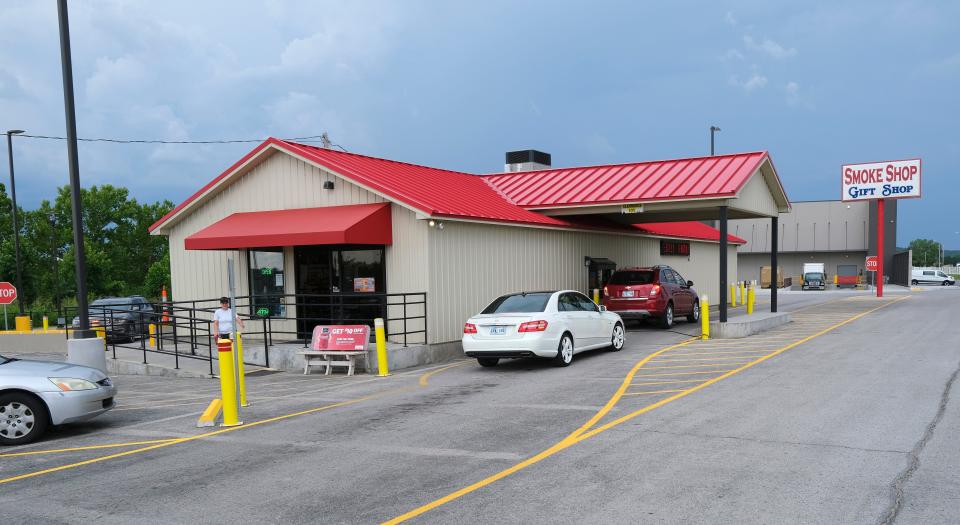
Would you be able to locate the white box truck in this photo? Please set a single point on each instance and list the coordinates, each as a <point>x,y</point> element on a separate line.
<point>814,276</point>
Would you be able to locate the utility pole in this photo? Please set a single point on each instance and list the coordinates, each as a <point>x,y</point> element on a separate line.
<point>16,227</point>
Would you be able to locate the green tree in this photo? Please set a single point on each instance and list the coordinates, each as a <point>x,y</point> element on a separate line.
<point>925,252</point>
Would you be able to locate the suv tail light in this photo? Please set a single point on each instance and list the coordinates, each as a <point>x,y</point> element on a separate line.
<point>533,326</point>
<point>654,290</point>
<point>469,328</point>
<point>605,292</point>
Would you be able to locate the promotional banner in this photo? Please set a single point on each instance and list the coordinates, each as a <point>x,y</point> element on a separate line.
<point>340,337</point>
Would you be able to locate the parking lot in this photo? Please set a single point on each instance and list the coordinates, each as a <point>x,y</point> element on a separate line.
<point>816,421</point>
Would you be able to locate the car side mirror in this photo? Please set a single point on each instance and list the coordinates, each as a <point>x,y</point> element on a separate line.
<point>603,308</point>
<point>690,284</point>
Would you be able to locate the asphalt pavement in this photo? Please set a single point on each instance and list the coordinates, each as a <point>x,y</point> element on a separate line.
<point>839,417</point>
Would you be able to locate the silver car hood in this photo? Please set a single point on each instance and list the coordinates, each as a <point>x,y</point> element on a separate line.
<point>28,368</point>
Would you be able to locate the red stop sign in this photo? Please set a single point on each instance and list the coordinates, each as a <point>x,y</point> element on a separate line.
<point>872,263</point>
<point>8,293</point>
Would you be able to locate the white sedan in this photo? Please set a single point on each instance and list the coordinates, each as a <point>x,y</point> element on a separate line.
<point>555,325</point>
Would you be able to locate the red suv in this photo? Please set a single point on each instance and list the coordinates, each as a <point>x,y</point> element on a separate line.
<point>659,292</point>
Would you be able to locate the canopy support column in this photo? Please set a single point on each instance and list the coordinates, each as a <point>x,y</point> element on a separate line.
<point>723,264</point>
<point>774,274</point>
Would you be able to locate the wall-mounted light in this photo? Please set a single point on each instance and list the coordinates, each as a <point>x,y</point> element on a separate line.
<point>432,223</point>
<point>440,225</point>
<point>328,184</point>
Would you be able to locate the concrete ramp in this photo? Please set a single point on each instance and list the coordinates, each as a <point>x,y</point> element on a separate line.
<point>747,325</point>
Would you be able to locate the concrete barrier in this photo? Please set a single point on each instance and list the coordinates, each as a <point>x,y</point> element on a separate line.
<point>747,325</point>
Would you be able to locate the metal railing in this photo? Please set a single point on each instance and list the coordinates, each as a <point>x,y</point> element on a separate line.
<point>184,329</point>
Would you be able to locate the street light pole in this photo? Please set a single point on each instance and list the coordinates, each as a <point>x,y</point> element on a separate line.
<point>16,227</point>
<point>713,131</point>
<point>66,63</point>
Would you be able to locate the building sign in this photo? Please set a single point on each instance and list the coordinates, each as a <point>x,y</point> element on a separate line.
<point>351,338</point>
<point>668,247</point>
<point>871,264</point>
<point>896,179</point>
<point>364,284</point>
<point>636,208</point>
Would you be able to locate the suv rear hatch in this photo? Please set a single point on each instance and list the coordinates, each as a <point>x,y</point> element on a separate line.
<point>630,284</point>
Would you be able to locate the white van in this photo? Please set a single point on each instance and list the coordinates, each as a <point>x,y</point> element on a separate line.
<point>931,277</point>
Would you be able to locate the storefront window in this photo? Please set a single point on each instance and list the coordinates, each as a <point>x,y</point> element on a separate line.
<point>266,283</point>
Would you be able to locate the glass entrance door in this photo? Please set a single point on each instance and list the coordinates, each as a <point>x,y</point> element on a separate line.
<point>338,285</point>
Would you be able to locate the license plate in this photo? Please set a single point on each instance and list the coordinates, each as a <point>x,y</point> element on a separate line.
<point>627,293</point>
<point>498,330</point>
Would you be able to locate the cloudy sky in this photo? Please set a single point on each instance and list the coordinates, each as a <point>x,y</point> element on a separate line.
<point>455,84</point>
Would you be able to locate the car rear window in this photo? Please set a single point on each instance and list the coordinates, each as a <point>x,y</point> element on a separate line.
<point>519,303</point>
<point>631,277</point>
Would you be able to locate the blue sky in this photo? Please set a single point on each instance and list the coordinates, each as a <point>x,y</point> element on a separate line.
<point>456,84</point>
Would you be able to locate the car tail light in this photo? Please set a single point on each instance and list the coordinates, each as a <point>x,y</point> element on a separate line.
<point>533,326</point>
<point>469,328</point>
<point>654,290</point>
<point>605,292</point>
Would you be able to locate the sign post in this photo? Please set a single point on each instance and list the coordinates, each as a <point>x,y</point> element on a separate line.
<point>896,179</point>
<point>8,294</point>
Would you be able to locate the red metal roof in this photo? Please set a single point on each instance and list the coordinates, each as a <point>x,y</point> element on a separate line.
<point>445,193</point>
<point>435,191</point>
<point>686,230</point>
<point>356,224</point>
<point>717,176</point>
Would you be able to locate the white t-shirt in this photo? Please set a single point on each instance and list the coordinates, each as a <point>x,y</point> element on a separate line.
<point>224,319</point>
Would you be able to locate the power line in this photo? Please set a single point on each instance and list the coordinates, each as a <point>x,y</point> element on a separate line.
<point>312,138</point>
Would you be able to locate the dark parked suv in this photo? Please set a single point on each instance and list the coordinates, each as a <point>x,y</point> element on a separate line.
<point>657,292</point>
<point>123,317</point>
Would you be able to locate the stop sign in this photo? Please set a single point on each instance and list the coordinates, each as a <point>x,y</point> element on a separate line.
<point>8,293</point>
<point>872,263</point>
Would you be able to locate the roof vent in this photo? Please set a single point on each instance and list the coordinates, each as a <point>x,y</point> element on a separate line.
<point>526,160</point>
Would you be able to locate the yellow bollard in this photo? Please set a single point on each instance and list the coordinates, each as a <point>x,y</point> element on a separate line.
<point>243,382</point>
<point>22,323</point>
<point>46,324</point>
<point>704,318</point>
<point>596,295</point>
<point>228,386</point>
<point>743,292</point>
<point>102,334</point>
<point>733,295</point>
<point>153,335</point>
<point>751,297</point>
<point>382,364</point>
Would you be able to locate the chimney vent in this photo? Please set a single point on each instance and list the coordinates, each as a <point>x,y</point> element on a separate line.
<point>526,160</point>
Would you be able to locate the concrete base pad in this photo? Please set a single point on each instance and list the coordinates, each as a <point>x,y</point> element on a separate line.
<point>87,352</point>
<point>747,325</point>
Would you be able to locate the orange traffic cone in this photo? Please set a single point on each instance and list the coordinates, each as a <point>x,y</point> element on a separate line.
<point>163,301</point>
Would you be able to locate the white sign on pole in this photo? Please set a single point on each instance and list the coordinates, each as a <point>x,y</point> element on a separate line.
<point>895,179</point>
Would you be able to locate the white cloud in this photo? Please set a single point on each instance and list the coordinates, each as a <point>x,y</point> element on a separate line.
<point>732,54</point>
<point>755,82</point>
<point>730,19</point>
<point>793,93</point>
<point>113,77</point>
<point>769,47</point>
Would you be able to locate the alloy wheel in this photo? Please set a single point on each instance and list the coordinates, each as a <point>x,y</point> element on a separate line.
<point>16,420</point>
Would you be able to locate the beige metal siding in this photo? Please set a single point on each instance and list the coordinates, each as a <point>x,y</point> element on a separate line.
<point>279,182</point>
<point>407,271</point>
<point>471,264</point>
<point>810,226</point>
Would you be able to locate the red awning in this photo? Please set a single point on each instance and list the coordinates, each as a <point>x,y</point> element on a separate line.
<point>357,224</point>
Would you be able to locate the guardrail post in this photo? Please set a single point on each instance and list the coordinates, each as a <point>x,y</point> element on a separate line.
<point>704,318</point>
<point>266,345</point>
<point>382,365</point>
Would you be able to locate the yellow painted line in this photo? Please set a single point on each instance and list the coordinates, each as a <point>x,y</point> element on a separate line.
<point>572,439</point>
<point>670,382</point>
<point>686,366</point>
<point>176,441</point>
<point>623,388</point>
<point>425,378</point>
<point>719,353</point>
<point>694,360</point>
<point>653,392</point>
<point>683,373</point>
<point>77,449</point>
